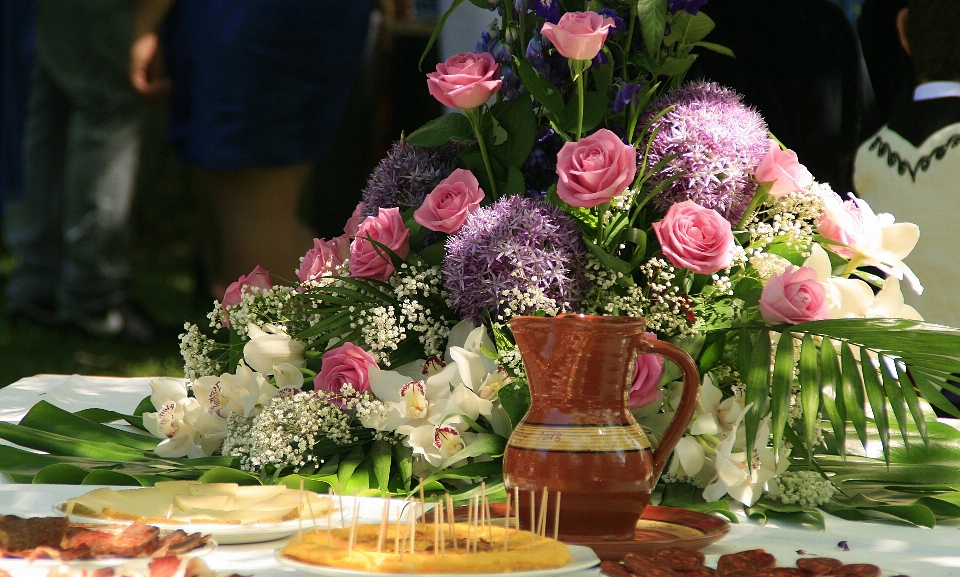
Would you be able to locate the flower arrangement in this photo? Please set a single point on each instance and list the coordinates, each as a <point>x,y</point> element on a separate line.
<point>582,174</point>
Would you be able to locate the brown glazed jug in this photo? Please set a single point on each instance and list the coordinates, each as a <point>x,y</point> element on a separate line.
<point>579,437</point>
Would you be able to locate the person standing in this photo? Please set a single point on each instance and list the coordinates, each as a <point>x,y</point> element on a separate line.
<point>71,230</point>
<point>257,88</point>
<point>911,166</point>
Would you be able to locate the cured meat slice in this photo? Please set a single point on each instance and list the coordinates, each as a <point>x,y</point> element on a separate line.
<point>164,566</point>
<point>857,570</point>
<point>647,567</point>
<point>18,534</point>
<point>759,558</point>
<point>819,565</point>
<point>784,572</point>
<point>732,563</point>
<point>611,568</point>
<point>679,559</point>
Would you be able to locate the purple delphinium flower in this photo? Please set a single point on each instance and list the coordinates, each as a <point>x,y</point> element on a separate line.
<point>488,37</point>
<point>619,24</point>
<point>718,141</point>
<point>549,10</point>
<point>690,6</point>
<point>626,94</point>
<point>514,245</point>
<point>407,174</point>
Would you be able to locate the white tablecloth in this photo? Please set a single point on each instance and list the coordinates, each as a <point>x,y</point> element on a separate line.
<point>896,548</point>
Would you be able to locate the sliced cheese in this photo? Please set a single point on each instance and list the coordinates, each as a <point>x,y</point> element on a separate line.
<point>189,503</point>
<point>229,489</point>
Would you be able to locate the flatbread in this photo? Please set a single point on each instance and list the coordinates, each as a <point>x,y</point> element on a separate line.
<point>524,553</point>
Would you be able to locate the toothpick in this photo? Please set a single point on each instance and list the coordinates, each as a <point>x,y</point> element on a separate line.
<point>542,521</point>
<point>486,513</point>
<point>329,520</point>
<point>353,529</point>
<point>343,523</point>
<point>309,505</point>
<point>506,525</point>
<point>451,514</point>
<point>413,528</point>
<point>533,520</point>
<point>436,530</point>
<point>423,508</point>
<point>469,523</point>
<point>384,518</point>
<point>516,505</point>
<point>443,526</point>
<point>556,518</point>
<point>300,515</point>
<point>396,539</point>
<point>477,519</point>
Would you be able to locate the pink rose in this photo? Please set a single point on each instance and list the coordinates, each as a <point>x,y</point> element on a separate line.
<point>695,238</point>
<point>595,169</point>
<point>465,80</point>
<point>646,378</point>
<point>796,296</point>
<point>579,35</point>
<point>783,169</point>
<point>324,257</point>
<point>370,261</point>
<point>353,223</point>
<point>347,364</point>
<point>842,222</point>
<point>446,208</point>
<point>258,278</point>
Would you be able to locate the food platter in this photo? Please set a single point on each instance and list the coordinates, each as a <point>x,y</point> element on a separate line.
<point>370,511</point>
<point>581,558</point>
<point>9,563</point>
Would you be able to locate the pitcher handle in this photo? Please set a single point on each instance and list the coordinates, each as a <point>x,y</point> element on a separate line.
<point>688,402</point>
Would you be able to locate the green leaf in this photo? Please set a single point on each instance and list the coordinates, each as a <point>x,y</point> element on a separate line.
<point>403,456</point>
<point>104,416</point>
<point>714,47</point>
<point>482,470</point>
<point>448,127</point>
<point>101,477</point>
<point>767,509</point>
<point>781,388</point>
<point>381,458</point>
<point>757,381</point>
<point>853,396</point>
<point>349,464</point>
<point>359,482</point>
<point>608,260</point>
<point>228,475</point>
<point>437,29</point>
<point>861,508</point>
<point>68,446</point>
<point>515,401</point>
<point>653,20</point>
<point>713,351</point>
<point>877,399</point>
<point>46,417</point>
<point>832,395</point>
<point>434,254</point>
<point>891,385</point>
<point>603,74</point>
<point>686,496</point>
<point>674,66</point>
<point>61,474</point>
<point>515,183</point>
<point>931,393</point>
<point>540,87</point>
<point>491,445</point>
<point>809,391</point>
<point>520,122</point>
<point>594,108</point>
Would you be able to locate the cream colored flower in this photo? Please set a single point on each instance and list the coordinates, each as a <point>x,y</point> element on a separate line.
<point>269,347</point>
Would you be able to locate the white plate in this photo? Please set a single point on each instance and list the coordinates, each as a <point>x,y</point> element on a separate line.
<point>371,511</point>
<point>133,562</point>
<point>581,558</point>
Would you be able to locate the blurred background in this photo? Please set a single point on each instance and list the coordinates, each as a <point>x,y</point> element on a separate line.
<point>389,98</point>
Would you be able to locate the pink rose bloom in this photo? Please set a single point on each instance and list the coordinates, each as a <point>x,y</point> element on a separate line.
<point>353,223</point>
<point>794,297</point>
<point>446,208</point>
<point>465,80</point>
<point>595,169</point>
<point>782,168</point>
<point>842,222</point>
<point>324,257</point>
<point>258,277</point>
<point>347,364</point>
<point>695,238</point>
<point>579,35</point>
<point>370,261</point>
<point>646,378</point>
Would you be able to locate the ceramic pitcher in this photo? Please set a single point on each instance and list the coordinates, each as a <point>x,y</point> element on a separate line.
<point>579,437</point>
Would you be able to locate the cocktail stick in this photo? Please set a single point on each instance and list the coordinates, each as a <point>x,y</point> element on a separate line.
<point>313,519</point>
<point>343,523</point>
<point>436,530</point>
<point>384,519</point>
<point>353,529</point>
<point>506,524</point>
<point>413,528</point>
<point>542,520</point>
<point>443,526</point>
<point>556,518</point>
<point>329,520</point>
<point>300,516</point>
<point>533,520</point>
<point>453,521</point>
<point>516,506</point>
<point>423,508</point>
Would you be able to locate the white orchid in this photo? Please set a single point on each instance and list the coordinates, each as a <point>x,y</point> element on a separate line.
<point>269,347</point>
<point>180,439</point>
<point>868,238</point>
<point>437,443</point>
<point>853,298</point>
<point>745,480</point>
<point>287,377</point>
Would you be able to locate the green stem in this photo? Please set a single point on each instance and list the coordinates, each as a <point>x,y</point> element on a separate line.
<point>473,115</point>
<point>601,221</point>
<point>758,197</point>
<point>852,265</point>
<point>580,83</point>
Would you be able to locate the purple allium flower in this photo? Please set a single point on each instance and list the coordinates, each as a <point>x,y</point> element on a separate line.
<point>515,244</point>
<point>719,141</point>
<point>407,174</point>
<point>626,94</point>
<point>691,6</point>
<point>547,9</point>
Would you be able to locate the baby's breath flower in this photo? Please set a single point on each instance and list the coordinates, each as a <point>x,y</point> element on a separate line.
<point>805,488</point>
